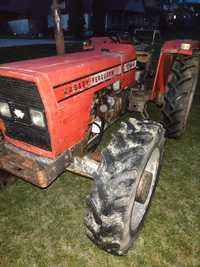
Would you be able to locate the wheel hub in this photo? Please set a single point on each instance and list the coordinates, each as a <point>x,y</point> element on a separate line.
<point>144,187</point>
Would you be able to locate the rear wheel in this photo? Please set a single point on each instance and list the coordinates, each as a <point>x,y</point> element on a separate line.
<point>124,186</point>
<point>181,87</point>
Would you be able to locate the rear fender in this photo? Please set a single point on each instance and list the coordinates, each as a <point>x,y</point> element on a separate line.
<point>176,47</point>
<point>170,50</point>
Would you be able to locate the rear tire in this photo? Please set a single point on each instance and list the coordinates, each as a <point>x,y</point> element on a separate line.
<point>181,87</point>
<point>124,185</point>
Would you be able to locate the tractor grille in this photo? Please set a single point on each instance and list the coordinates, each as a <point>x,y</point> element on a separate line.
<point>23,95</point>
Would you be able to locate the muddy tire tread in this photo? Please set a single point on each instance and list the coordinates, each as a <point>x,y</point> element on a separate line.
<point>110,196</point>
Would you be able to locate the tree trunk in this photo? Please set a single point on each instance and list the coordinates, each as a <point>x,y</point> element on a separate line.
<point>59,37</point>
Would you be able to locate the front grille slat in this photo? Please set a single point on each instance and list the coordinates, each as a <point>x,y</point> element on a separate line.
<point>23,95</point>
<point>28,135</point>
<point>20,91</point>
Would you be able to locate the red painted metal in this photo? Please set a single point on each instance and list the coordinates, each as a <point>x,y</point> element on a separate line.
<point>66,88</point>
<point>168,51</point>
<point>174,47</point>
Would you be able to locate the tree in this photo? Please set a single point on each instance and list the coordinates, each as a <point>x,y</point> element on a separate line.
<point>76,18</point>
<point>98,8</point>
<point>59,37</point>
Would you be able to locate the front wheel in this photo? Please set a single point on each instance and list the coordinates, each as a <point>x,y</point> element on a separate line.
<point>124,185</point>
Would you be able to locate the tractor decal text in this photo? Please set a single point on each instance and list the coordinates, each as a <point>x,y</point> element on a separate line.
<point>104,76</point>
<point>129,66</point>
<point>78,86</point>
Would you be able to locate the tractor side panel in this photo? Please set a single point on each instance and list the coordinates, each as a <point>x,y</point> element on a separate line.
<point>75,109</point>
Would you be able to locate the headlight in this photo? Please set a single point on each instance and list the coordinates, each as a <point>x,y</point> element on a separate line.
<point>5,110</point>
<point>37,118</point>
<point>185,46</point>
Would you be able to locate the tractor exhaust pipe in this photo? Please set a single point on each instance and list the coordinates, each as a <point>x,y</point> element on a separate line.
<point>59,36</point>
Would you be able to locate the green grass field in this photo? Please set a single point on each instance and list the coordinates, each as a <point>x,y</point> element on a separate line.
<point>45,228</point>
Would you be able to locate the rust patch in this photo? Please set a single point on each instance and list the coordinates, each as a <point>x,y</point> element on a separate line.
<point>2,126</point>
<point>42,179</point>
<point>27,169</point>
<point>39,171</point>
<point>96,155</point>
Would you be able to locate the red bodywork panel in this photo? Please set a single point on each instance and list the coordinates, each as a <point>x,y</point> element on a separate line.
<point>168,51</point>
<point>67,84</point>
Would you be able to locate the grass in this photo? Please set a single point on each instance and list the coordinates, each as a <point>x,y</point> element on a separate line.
<point>44,228</point>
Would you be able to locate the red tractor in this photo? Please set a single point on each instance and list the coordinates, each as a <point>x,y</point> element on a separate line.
<point>54,112</point>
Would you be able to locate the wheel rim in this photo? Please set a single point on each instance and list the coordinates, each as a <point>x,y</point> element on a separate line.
<point>145,190</point>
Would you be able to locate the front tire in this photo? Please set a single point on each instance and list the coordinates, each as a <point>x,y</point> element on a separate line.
<point>124,186</point>
<point>181,87</point>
